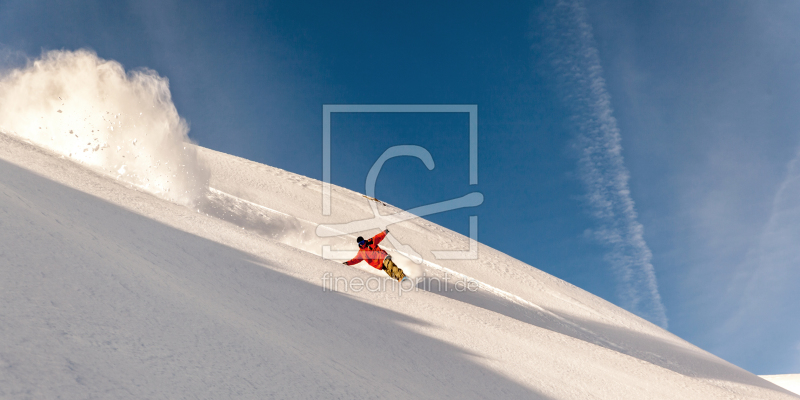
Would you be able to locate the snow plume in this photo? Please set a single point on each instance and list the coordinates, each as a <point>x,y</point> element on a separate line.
<point>90,110</point>
<point>601,164</point>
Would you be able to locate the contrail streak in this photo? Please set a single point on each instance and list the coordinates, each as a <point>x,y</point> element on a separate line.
<point>601,165</point>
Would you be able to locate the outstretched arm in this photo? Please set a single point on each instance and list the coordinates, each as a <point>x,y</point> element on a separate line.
<point>355,260</point>
<point>377,238</point>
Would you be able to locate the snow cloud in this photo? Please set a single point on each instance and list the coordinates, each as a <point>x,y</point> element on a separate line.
<point>90,110</point>
<point>601,165</point>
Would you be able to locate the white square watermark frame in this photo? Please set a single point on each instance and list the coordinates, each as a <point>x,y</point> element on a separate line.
<point>471,109</point>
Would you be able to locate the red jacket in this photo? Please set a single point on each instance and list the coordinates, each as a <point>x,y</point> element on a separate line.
<point>371,253</point>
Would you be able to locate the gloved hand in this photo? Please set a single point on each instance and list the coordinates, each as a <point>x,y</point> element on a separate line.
<point>344,262</point>
<point>386,231</point>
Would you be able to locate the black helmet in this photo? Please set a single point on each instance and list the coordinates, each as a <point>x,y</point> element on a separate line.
<point>360,239</point>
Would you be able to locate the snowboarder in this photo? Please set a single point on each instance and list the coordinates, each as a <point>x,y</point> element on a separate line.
<point>376,256</point>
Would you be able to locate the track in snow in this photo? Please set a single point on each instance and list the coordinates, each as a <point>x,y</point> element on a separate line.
<point>300,233</point>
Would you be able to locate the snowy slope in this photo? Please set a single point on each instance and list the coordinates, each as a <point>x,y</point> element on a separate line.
<point>108,291</point>
<point>789,382</point>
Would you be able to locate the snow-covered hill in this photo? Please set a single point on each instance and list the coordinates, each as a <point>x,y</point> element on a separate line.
<point>111,292</point>
<point>136,265</point>
<point>789,382</point>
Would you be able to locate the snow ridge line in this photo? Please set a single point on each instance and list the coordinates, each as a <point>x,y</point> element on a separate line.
<point>481,285</point>
<point>517,299</point>
<point>489,288</point>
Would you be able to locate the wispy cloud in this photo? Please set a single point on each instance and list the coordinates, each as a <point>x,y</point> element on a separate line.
<point>766,317</point>
<point>601,164</point>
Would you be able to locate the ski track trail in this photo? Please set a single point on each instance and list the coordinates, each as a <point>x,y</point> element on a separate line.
<point>505,295</point>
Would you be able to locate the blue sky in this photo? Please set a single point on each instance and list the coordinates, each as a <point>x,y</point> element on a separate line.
<point>644,151</point>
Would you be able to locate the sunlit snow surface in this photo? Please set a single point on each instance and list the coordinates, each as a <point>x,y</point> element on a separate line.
<point>789,382</point>
<point>109,291</point>
<point>134,264</point>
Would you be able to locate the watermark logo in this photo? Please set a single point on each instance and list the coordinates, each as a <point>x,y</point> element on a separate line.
<point>331,283</point>
<point>382,222</point>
